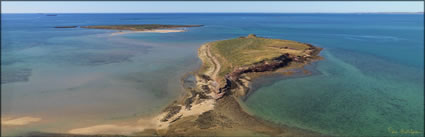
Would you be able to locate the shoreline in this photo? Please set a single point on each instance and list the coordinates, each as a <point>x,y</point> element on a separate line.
<point>136,28</point>
<point>146,31</point>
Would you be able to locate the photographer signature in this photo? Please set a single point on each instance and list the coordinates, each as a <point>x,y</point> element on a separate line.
<point>403,131</point>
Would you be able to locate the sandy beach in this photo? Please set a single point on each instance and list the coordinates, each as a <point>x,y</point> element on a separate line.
<point>19,121</point>
<point>148,31</point>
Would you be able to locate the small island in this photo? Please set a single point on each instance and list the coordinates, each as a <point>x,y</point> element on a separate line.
<point>140,27</point>
<point>135,28</point>
<point>211,107</point>
<point>66,26</point>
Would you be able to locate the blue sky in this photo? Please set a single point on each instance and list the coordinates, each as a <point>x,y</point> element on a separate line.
<point>188,6</point>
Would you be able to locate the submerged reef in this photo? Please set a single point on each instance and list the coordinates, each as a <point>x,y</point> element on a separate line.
<point>15,75</point>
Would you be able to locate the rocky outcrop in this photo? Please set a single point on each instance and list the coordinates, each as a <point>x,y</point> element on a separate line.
<point>233,79</point>
<point>265,65</point>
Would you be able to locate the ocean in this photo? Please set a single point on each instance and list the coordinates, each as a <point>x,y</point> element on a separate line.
<point>370,82</point>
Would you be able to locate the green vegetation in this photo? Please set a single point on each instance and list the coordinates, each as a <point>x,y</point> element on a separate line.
<point>248,50</point>
<point>139,27</point>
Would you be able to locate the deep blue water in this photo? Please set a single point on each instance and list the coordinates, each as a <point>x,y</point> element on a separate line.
<point>371,78</point>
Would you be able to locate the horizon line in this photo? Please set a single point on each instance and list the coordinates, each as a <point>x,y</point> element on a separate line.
<point>207,12</point>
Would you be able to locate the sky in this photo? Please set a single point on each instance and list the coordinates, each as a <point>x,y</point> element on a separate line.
<point>211,6</point>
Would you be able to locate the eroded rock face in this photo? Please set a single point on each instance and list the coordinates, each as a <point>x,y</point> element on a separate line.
<point>233,80</point>
<point>265,65</point>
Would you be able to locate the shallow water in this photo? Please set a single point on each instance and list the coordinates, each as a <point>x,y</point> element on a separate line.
<point>75,79</point>
<point>343,99</point>
<point>370,80</point>
<point>367,85</point>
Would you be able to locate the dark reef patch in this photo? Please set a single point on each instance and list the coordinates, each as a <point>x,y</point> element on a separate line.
<point>88,59</point>
<point>15,75</point>
<point>10,61</point>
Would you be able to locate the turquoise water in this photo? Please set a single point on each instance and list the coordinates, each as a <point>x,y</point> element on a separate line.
<point>346,99</point>
<point>365,86</point>
<point>370,80</point>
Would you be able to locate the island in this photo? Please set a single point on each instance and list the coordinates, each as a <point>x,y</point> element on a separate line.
<point>211,106</point>
<point>135,28</point>
<point>65,26</point>
<point>140,27</point>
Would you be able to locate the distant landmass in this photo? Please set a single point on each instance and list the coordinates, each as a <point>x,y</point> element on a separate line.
<point>141,27</point>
